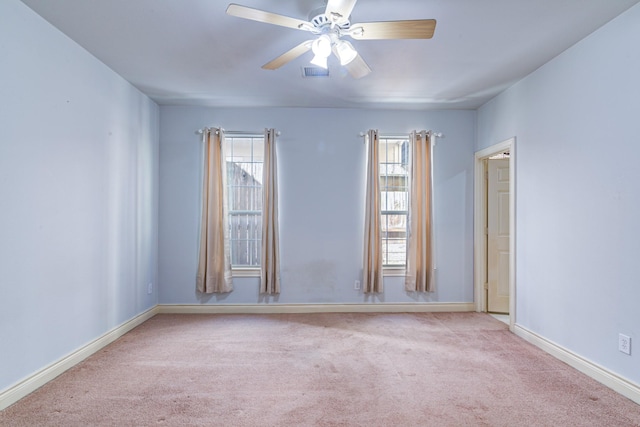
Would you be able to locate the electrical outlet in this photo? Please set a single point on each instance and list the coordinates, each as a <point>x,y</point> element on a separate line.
<point>150,288</point>
<point>356,285</point>
<point>624,344</point>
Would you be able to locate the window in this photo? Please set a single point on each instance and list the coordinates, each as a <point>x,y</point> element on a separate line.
<point>394,199</point>
<point>244,155</point>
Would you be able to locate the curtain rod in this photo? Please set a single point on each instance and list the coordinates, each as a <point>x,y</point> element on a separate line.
<point>236,132</point>
<point>404,135</point>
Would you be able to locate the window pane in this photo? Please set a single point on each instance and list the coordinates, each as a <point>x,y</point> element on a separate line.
<point>394,198</point>
<point>394,201</point>
<point>395,225</point>
<point>258,150</point>
<point>394,238</point>
<point>394,252</point>
<point>238,149</point>
<point>244,192</point>
<point>382,152</point>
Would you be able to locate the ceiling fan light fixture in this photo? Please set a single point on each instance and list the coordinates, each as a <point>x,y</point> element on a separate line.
<point>320,61</point>
<point>345,52</point>
<point>321,48</point>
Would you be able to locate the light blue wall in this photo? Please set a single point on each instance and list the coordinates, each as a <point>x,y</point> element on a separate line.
<point>79,192</point>
<point>321,160</point>
<point>78,195</point>
<point>577,124</point>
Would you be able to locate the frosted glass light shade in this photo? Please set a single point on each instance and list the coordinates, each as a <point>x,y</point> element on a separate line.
<point>345,51</point>
<point>322,46</point>
<point>320,61</point>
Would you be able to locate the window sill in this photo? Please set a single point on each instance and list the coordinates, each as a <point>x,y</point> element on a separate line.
<point>245,272</point>
<point>394,271</point>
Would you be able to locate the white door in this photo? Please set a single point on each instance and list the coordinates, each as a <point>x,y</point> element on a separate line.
<point>498,236</point>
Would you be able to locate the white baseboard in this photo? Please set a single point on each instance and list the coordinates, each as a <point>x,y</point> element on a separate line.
<point>314,308</point>
<point>598,373</point>
<point>43,376</point>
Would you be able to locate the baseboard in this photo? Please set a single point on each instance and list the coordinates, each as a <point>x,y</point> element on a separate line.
<point>598,373</point>
<point>43,376</point>
<point>314,308</point>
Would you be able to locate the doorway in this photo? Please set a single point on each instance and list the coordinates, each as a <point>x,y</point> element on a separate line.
<point>494,230</point>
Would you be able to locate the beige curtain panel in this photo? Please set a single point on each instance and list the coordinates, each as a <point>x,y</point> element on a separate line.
<point>214,263</point>
<point>372,263</point>
<point>270,255</point>
<point>419,257</point>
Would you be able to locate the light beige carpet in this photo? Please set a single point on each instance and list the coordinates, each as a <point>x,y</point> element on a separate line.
<point>434,369</point>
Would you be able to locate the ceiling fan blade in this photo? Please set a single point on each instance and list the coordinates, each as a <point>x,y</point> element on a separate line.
<point>413,29</point>
<point>267,17</point>
<point>358,68</point>
<point>339,10</point>
<point>288,56</point>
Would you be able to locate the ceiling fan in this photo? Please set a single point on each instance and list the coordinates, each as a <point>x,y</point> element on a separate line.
<point>330,25</point>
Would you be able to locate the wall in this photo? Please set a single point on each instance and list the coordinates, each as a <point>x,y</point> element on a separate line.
<point>321,160</point>
<point>578,204</point>
<point>78,190</point>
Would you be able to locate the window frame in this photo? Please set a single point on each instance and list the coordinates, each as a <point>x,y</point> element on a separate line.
<point>241,270</point>
<point>403,161</point>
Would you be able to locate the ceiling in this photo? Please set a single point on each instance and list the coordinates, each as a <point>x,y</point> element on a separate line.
<point>189,52</point>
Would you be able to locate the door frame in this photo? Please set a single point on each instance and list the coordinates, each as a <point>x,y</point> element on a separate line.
<point>479,221</point>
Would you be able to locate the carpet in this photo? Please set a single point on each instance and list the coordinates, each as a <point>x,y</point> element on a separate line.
<point>329,369</point>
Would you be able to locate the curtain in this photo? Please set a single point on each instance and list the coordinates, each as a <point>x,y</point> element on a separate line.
<point>372,263</point>
<point>270,254</point>
<point>214,263</point>
<point>419,257</point>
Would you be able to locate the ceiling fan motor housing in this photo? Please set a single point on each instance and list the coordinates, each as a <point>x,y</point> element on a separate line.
<point>322,23</point>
